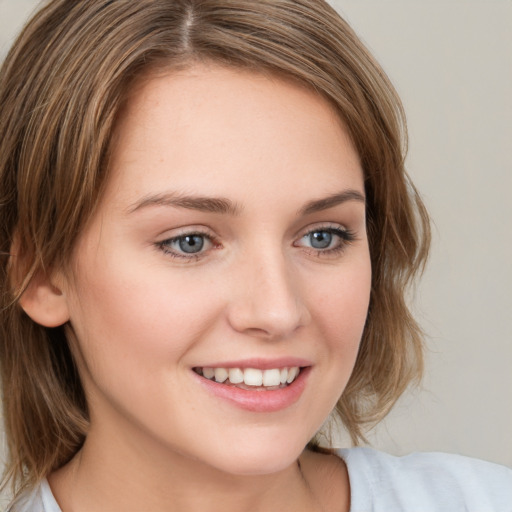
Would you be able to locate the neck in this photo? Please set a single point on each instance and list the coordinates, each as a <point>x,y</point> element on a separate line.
<point>138,476</point>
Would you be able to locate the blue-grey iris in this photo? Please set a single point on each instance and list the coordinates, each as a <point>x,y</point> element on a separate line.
<point>320,239</point>
<point>191,243</point>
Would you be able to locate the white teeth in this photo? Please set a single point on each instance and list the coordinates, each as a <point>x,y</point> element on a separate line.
<point>271,378</point>
<point>208,373</point>
<point>292,373</point>
<point>236,376</point>
<point>253,377</point>
<point>221,374</point>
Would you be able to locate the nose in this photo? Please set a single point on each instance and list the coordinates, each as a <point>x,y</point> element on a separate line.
<point>267,302</point>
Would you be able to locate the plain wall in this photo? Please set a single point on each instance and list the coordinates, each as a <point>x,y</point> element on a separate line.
<point>451,61</point>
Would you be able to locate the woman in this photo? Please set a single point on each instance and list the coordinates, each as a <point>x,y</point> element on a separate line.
<point>208,232</point>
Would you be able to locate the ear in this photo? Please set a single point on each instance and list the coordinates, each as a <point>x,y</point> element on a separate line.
<point>44,302</point>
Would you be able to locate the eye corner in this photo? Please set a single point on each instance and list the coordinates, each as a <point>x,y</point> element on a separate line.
<point>333,240</point>
<point>199,242</point>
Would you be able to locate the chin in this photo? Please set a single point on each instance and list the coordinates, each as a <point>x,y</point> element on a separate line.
<point>259,458</point>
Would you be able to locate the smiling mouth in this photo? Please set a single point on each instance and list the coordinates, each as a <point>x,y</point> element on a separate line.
<point>252,379</point>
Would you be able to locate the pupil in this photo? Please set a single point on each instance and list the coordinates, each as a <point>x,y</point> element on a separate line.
<point>191,243</point>
<point>321,239</point>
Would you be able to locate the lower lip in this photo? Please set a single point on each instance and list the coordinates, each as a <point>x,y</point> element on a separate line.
<point>258,401</point>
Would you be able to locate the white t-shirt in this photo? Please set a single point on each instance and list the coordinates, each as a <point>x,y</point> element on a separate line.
<point>421,482</point>
<point>425,482</point>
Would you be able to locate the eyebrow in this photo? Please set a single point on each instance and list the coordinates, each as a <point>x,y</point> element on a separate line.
<point>203,204</point>
<point>223,205</point>
<point>331,201</point>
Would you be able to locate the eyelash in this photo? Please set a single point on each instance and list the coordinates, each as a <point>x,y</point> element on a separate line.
<point>164,245</point>
<point>346,237</point>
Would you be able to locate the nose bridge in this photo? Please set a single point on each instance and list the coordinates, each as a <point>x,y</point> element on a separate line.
<point>268,302</point>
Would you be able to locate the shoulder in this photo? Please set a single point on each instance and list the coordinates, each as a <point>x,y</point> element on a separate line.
<point>425,482</point>
<point>39,499</point>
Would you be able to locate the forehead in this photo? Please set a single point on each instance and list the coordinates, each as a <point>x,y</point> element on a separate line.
<point>215,128</point>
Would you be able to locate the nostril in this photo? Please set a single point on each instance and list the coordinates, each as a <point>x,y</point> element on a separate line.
<point>267,319</point>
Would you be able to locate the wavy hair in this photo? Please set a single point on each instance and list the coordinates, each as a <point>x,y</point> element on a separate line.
<point>62,87</point>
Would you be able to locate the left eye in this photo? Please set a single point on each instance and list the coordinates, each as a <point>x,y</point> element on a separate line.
<point>185,245</point>
<point>326,239</point>
<point>320,239</point>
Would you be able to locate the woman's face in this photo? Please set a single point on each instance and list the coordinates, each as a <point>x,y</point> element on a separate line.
<point>231,242</point>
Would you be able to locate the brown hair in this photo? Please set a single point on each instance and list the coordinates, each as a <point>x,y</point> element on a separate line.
<point>61,89</point>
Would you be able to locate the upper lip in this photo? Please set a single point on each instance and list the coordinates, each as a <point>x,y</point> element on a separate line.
<point>260,363</point>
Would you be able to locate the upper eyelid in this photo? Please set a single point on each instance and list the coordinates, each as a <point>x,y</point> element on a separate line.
<point>208,233</point>
<point>170,234</point>
<point>178,232</point>
<point>174,238</point>
<point>338,231</point>
<point>322,226</point>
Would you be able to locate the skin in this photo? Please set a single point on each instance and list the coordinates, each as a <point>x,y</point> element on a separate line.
<point>142,315</point>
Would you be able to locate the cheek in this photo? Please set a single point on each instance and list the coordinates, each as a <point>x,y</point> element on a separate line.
<point>137,314</point>
<point>341,309</point>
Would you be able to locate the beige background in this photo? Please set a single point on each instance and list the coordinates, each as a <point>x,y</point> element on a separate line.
<point>451,61</point>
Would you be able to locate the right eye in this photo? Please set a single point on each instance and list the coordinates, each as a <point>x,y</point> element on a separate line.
<point>188,245</point>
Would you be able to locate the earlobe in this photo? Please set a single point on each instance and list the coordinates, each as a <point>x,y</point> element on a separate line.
<point>44,302</point>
